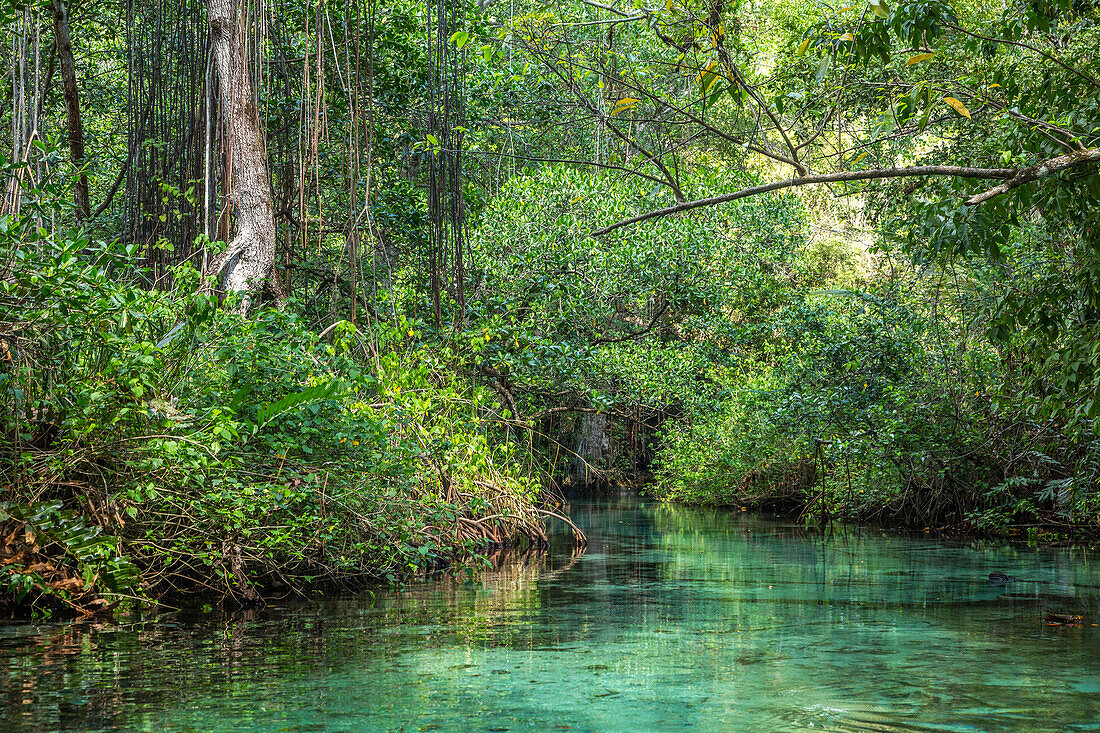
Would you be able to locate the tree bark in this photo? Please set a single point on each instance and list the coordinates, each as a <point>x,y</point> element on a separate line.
<point>72,103</point>
<point>249,260</point>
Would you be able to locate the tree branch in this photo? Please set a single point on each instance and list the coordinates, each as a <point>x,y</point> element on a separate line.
<point>634,334</point>
<point>908,172</point>
<point>1035,172</point>
<point>571,161</point>
<point>553,410</point>
<point>1094,82</point>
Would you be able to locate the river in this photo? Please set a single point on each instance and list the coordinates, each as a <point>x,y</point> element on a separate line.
<point>673,619</point>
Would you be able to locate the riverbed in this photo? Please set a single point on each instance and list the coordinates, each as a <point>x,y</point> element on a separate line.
<point>672,619</point>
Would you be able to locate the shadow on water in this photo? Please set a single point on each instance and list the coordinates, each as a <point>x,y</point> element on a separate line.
<point>673,618</point>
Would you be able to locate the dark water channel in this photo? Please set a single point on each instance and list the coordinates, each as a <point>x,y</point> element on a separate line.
<point>674,619</point>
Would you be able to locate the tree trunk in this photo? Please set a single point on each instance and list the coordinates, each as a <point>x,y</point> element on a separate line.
<point>72,103</point>
<point>249,260</point>
<point>591,449</point>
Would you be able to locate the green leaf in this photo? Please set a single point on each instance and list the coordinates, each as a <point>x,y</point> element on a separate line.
<point>269,412</point>
<point>460,38</point>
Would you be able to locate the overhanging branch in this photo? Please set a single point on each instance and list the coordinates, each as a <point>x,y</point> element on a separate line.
<point>1035,172</point>
<point>951,171</point>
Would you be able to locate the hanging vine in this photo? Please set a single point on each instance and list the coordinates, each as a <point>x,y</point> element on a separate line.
<point>446,208</point>
<point>172,184</point>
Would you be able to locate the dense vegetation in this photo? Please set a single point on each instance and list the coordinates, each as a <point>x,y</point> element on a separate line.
<point>843,262</point>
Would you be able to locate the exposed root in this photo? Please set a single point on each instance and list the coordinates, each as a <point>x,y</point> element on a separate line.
<point>580,539</point>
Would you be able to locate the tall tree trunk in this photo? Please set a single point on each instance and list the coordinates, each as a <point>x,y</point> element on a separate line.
<point>72,103</point>
<point>249,260</point>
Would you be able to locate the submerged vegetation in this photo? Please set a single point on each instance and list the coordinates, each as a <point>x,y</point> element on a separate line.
<point>315,294</point>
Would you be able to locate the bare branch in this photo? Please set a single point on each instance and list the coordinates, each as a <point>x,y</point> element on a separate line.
<point>908,172</point>
<point>534,159</point>
<point>608,8</point>
<point>1035,172</point>
<point>1020,44</point>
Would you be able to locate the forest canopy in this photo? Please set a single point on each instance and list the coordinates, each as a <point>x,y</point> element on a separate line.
<point>317,293</point>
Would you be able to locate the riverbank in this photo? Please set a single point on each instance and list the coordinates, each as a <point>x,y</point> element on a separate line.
<point>193,452</point>
<point>303,532</point>
<point>821,509</point>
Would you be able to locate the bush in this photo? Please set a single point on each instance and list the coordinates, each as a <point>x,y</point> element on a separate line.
<point>868,408</point>
<point>152,431</point>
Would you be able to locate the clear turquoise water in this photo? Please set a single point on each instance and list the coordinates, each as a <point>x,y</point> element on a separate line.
<point>674,619</point>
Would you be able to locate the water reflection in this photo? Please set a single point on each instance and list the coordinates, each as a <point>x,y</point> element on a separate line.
<point>673,619</point>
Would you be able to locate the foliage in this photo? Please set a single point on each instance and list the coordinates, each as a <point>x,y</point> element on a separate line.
<point>151,430</point>
<point>922,349</point>
<point>988,291</point>
<point>636,318</point>
<point>869,408</point>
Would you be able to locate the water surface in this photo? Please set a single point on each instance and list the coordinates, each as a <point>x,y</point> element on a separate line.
<point>674,619</point>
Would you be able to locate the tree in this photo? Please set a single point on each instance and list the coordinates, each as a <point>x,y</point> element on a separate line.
<point>868,89</point>
<point>963,131</point>
<point>249,260</point>
<point>72,103</point>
